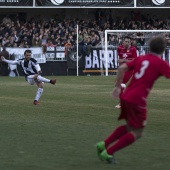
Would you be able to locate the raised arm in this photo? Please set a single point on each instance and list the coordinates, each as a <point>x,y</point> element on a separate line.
<point>13,62</point>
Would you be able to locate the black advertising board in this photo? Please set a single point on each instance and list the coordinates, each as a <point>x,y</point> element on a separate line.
<point>153,3</point>
<point>85,3</point>
<point>24,3</point>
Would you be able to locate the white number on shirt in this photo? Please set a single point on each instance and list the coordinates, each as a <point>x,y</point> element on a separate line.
<point>144,66</point>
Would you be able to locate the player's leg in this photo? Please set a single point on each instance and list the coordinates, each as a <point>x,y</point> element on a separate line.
<point>136,120</point>
<point>39,93</point>
<point>39,81</point>
<point>113,137</point>
<point>39,78</point>
<point>124,141</point>
<point>116,134</point>
<point>32,81</point>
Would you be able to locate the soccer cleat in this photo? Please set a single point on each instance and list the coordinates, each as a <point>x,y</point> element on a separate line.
<point>35,102</point>
<point>118,106</point>
<point>108,158</point>
<point>100,147</point>
<point>53,81</point>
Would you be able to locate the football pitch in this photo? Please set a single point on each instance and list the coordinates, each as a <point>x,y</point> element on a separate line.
<point>74,115</point>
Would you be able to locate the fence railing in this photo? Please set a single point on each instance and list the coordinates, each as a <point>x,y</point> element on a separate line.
<point>94,56</point>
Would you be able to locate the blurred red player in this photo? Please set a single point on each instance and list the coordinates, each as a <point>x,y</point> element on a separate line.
<point>147,69</point>
<point>126,53</point>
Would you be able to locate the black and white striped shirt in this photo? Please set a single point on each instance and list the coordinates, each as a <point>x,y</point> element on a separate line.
<point>29,67</point>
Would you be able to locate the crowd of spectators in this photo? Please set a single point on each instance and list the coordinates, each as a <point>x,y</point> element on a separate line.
<point>56,32</point>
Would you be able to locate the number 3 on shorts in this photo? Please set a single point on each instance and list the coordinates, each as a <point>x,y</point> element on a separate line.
<point>144,66</point>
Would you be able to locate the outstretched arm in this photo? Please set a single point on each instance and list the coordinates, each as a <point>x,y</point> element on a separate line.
<point>14,62</point>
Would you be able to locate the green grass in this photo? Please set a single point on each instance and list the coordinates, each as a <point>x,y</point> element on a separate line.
<point>74,115</point>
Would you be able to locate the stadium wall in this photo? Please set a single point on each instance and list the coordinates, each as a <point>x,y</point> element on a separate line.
<point>56,69</point>
<point>82,13</point>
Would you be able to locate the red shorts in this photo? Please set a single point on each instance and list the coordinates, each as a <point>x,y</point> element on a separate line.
<point>127,76</point>
<point>133,114</point>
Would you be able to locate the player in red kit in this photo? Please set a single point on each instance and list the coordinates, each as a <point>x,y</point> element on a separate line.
<point>147,69</point>
<point>126,53</point>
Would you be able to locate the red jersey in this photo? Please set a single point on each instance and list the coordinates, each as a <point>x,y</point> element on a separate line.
<point>124,53</point>
<point>147,69</point>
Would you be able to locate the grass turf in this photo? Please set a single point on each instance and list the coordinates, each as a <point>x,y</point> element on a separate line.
<point>73,116</point>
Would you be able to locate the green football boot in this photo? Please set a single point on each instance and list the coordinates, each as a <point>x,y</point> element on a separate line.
<point>100,147</point>
<point>108,158</point>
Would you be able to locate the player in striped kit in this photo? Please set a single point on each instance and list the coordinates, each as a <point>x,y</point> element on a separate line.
<point>32,72</point>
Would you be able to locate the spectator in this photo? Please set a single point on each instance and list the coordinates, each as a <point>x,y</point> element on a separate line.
<point>87,46</point>
<point>59,30</point>
<point>6,20</point>
<point>36,42</point>
<point>50,43</point>
<point>4,66</point>
<point>68,47</point>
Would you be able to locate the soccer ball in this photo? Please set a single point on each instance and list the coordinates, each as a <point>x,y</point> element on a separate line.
<point>57,2</point>
<point>158,2</point>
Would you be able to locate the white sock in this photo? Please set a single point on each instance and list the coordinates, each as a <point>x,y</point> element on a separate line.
<point>42,79</point>
<point>39,93</point>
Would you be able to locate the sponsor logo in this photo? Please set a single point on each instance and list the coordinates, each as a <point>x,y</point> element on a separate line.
<point>9,1</point>
<point>57,2</point>
<point>158,2</point>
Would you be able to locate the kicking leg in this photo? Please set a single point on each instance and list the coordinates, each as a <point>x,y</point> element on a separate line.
<point>45,80</point>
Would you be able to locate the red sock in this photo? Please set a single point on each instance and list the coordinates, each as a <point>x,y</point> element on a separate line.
<point>120,131</point>
<point>123,142</point>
